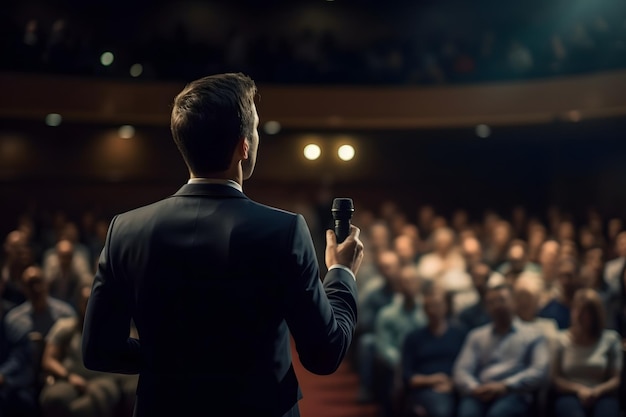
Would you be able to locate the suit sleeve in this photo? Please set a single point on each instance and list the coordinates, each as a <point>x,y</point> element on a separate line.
<point>106,344</point>
<point>321,317</point>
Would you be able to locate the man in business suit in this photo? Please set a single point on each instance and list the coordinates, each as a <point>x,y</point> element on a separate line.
<point>215,282</point>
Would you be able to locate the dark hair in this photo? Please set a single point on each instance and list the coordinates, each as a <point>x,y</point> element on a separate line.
<point>591,303</point>
<point>209,117</point>
<point>429,289</point>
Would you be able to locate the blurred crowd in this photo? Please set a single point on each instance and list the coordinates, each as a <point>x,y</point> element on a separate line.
<point>45,283</point>
<point>504,316</point>
<point>559,39</point>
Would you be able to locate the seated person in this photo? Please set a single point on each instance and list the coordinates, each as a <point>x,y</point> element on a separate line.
<point>527,292</point>
<point>393,323</point>
<point>476,315</point>
<point>428,355</point>
<point>588,362</point>
<point>569,281</point>
<point>73,390</point>
<point>503,363</point>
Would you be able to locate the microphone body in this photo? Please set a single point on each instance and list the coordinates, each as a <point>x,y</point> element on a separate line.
<point>342,211</point>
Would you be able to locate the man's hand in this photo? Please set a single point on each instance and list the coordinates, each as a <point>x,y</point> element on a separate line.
<point>586,395</point>
<point>489,391</point>
<point>348,253</point>
<point>444,385</point>
<point>77,382</point>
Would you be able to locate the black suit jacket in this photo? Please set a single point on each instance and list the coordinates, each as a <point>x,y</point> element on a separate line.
<point>215,282</point>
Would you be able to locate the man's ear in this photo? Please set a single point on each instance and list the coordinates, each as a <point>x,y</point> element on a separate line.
<point>243,147</point>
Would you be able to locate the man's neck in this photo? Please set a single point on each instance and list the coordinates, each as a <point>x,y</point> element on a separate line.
<point>438,327</point>
<point>235,175</point>
<point>502,327</point>
<point>408,303</point>
<point>40,304</point>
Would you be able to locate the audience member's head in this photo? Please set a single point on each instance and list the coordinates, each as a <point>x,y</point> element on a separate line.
<point>443,241</point>
<point>620,244</point>
<point>389,265</point>
<point>568,275</point>
<point>16,249</point>
<point>499,302</point>
<point>404,245</point>
<point>527,291</point>
<point>614,227</point>
<point>549,254</point>
<point>566,231</point>
<point>537,234</point>
<point>569,249</point>
<point>472,251</point>
<point>586,238</point>
<point>517,255</point>
<point>480,273</point>
<point>587,314</point>
<point>437,303</point>
<point>379,237</point>
<point>502,234</point>
<point>460,220</point>
<point>35,286</point>
<point>409,282</point>
<point>592,270</point>
<point>65,252</point>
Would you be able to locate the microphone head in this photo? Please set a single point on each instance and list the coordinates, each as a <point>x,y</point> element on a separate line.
<point>343,207</point>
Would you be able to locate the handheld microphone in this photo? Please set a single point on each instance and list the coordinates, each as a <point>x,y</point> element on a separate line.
<point>342,213</point>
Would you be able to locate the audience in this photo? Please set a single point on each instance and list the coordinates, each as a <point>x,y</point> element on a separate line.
<point>457,317</point>
<point>487,42</point>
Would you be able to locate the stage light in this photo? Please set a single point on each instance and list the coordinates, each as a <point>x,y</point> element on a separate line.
<point>126,132</point>
<point>312,151</point>
<point>53,119</point>
<point>107,58</point>
<point>136,70</point>
<point>346,152</point>
<point>483,131</point>
<point>272,127</point>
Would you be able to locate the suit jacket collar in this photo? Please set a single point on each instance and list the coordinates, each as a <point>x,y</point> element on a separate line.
<point>209,190</point>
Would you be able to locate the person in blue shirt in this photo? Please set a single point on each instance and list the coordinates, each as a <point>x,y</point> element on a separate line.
<point>428,355</point>
<point>503,363</point>
<point>570,281</point>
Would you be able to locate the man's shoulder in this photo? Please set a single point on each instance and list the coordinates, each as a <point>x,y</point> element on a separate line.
<point>480,331</point>
<point>61,308</point>
<point>18,313</point>
<point>167,204</point>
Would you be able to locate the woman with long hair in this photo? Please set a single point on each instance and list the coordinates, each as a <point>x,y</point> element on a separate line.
<point>588,362</point>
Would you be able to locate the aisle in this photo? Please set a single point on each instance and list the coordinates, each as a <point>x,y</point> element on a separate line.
<point>331,395</point>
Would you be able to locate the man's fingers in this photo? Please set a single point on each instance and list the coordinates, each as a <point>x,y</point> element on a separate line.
<point>331,239</point>
<point>355,232</point>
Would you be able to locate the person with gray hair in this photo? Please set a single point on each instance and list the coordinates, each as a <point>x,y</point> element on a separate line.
<point>527,291</point>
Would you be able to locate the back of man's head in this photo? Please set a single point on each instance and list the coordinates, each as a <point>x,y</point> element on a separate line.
<point>209,117</point>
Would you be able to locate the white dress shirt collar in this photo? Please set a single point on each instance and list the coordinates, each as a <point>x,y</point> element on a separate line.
<point>229,183</point>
